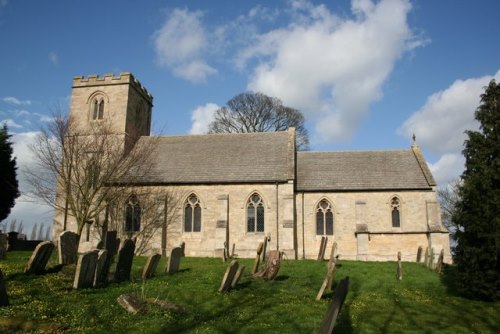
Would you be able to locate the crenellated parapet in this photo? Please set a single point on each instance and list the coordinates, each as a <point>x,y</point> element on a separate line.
<point>124,78</point>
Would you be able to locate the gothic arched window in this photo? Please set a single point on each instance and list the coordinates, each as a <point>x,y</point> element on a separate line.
<point>324,218</point>
<point>192,214</point>
<point>98,108</point>
<point>132,214</point>
<point>395,212</point>
<point>255,214</point>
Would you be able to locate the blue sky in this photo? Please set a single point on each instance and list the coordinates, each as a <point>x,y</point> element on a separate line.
<point>366,74</point>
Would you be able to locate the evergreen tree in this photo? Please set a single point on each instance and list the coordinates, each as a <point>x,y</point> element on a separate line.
<point>478,209</point>
<point>8,182</point>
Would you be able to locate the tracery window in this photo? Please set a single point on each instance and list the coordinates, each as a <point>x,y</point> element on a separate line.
<point>192,214</point>
<point>395,212</point>
<point>324,218</point>
<point>255,214</point>
<point>98,108</point>
<point>132,214</point>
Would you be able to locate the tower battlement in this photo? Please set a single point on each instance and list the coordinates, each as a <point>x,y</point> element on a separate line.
<point>110,79</point>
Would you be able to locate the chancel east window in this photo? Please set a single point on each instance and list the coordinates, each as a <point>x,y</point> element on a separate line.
<point>324,218</point>
<point>132,215</point>
<point>255,214</point>
<point>192,214</point>
<point>395,212</point>
<point>98,108</point>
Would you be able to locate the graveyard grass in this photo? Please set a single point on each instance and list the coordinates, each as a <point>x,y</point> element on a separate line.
<point>423,301</point>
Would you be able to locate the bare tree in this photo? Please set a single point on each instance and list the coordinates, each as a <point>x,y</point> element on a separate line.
<point>256,112</point>
<point>47,234</point>
<point>448,197</point>
<point>79,169</point>
<point>40,232</point>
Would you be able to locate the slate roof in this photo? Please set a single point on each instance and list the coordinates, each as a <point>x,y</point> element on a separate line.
<point>223,158</point>
<point>363,170</point>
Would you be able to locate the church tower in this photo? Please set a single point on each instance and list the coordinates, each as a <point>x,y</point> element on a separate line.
<point>120,101</point>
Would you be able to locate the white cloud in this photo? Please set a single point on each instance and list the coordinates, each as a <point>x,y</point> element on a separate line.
<point>15,101</point>
<point>30,212</point>
<point>3,3</point>
<point>447,168</point>
<point>331,68</point>
<point>54,58</point>
<point>440,124</point>
<point>179,45</point>
<point>201,117</point>
<point>10,123</point>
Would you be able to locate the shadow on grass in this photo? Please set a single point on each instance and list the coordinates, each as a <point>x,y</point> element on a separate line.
<point>449,278</point>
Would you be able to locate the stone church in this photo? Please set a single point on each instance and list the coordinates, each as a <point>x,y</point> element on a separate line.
<point>240,188</point>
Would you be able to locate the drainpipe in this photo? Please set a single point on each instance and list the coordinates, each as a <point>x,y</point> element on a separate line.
<point>277,220</point>
<point>303,237</point>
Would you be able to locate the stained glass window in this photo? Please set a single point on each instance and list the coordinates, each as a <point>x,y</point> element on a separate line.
<point>395,214</point>
<point>132,215</point>
<point>324,218</point>
<point>192,214</point>
<point>255,214</point>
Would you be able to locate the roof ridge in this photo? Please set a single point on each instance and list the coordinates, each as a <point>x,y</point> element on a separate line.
<point>266,133</point>
<point>356,151</point>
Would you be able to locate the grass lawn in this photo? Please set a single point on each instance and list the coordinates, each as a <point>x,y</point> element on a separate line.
<point>423,302</point>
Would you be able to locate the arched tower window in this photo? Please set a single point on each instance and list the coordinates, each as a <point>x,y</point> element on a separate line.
<point>255,214</point>
<point>98,108</point>
<point>192,214</point>
<point>132,214</point>
<point>324,218</point>
<point>396,212</point>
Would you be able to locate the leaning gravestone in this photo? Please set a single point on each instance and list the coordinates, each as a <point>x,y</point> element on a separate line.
<point>399,270</point>
<point>426,257</point>
<point>3,246</point>
<point>227,280</point>
<point>272,266</point>
<point>125,258</point>
<point>419,254</point>
<point>264,249</point>
<point>4,298</point>
<point>327,282</point>
<point>439,264</point>
<point>174,261</point>
<point>334,309</point>
<point>151,265</point>
<point>237,276</point>
<point>85,270</point>
<point>132,303</point>
<point>101,269</point>
<point>431,259</point>
<point>322,248</point>
<point>333,254</point>
<point>68,247</point>
<point>183,247</point>
<point>39,258</point>
<point>257,258</point>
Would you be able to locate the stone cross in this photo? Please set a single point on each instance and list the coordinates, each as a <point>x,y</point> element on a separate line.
<point>125,258</point>
<point>399,270</point>
<point>334,308</point>
<point>439,264</point>
<point>3,246</point>
<point>419,254</point>
<point>102,269</point>
<point>237,276</point>
<point>68,247</point>
<point>228,278</point>
<point>85,270</point>
<point>39,258</point>
<point>151,265</point>
<point>4,298</point>
<point>327,282</point>
<point>257,258</point>
<point>174,261</point>
<point>322,248</point>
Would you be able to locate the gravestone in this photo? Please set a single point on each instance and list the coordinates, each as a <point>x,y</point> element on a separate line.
<point>237,276</point>
<point>273,264</point>
<point>439,264</point>
<point>151,265</point>
<point>333,255</point>
<point>399,270</point>
<point>322,248</point>
<point>426,257</point>
<point>431,259</point>
<point>174,261</point>
<point>232,251</point>
<point>224,252</point>
<point>85,270</point>
<point>124,263</point>
<point>257,258</point>
<point>227,280</point>
<point>327,282</point>
<point>39,258</point>
<point>3,246</point>
<point>334,308</point>
<point>183,248</point>
<point>4,298</point>
<point>112,244</point>
<point>132,303</point>
<point>68,247</point>
<point>264,250</point>
<point>101,269</point>
<point>329,286</point>
<point>419,254</point>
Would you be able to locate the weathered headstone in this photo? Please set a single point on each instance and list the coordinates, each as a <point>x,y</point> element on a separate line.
<point>3,246</point>
<point>151,265</point>
<point>4,298</point>
<point>257,258</point>
<point>132,303</point>
<point>264,250</point>
<point>85,270</point>
<point>101,269</point>
<point>237,276</point>
<point>333,255</point>
<point>224,252</point>
<point>333,268</point>
<point>174,261</point>
<point>439,264</point>
<point>39,258</point>
<point>232,251</point>
<point>112,243</point>
<point>399,270</point>
<point>334,308</point>
<point>426,257</point>
<point>273,264</point>
<point>183,248</point>
<point>322,248</point>
<point>68,247</point>
<point>327,282</point>
<point>229,276</point>
<point>431,259</point>
<point>419,254</point>
<point>125,258</point>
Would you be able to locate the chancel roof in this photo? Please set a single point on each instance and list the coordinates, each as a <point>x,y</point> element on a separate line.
<point>363,170</point>
<point>223,158</point>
